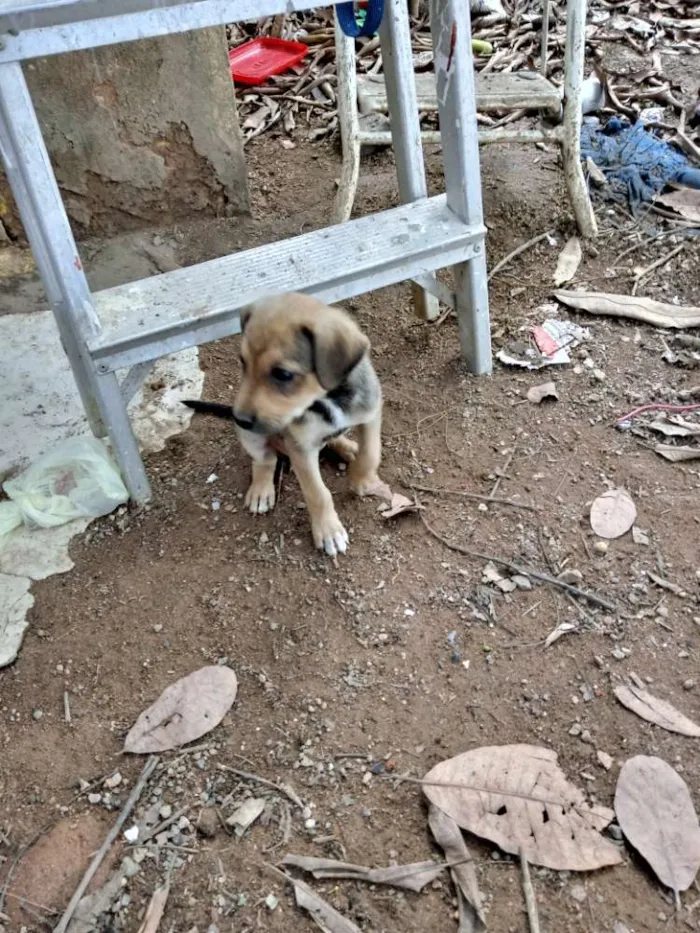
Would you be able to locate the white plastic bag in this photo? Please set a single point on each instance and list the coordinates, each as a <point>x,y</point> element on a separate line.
<point>78,479</point>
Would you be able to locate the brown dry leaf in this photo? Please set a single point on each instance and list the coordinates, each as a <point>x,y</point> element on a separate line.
<point>324,916</point>
<point>537,394</point>
<point>647,310</point>
<point>613,514</point>
<point>400,504</point>
<point>686,201</point>
<point>569,261</point>
<point>655,710</point>
<point>155,909</point>
<point>677,454</point>
<point>655,812</point>
<point>184,711</point>
<point>413,877</point>
<point>449,837</point>
<point>483,790</point>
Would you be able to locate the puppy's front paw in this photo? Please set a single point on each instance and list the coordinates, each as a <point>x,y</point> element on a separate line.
<point>329,534</point>
<point>344,447</point>
<point>260,497</point>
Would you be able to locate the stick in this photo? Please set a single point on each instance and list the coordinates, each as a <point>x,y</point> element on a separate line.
<point>66,706</point>
<point>655,265</point>
<point>503,472</point>
<point>473,495</point>
<point>529,892</point>
<point>107,844</point>
<point>516,252</point>
<point>280,788</point>
<point>155,909</point>
<point>517,568</point>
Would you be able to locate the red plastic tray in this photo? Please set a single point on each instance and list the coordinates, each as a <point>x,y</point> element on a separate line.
<point>257,60</point>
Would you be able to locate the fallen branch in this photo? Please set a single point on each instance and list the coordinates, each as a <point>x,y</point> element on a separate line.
<point>107,844</point>
<point>529,892</point>
<point>518,568</point>
<point>517,252</point>
<point>436,490</point>
<point>280,788</point>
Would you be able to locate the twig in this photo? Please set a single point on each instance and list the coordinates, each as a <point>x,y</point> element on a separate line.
<point>516,252</point>
<point>66,707</point>
<point>280,788</point>
<point>517,568</point>
<point>529,892</point>
<point>107,844</point>
<point>642,274</point>
<point>473,495</point>
<point>503,472</point>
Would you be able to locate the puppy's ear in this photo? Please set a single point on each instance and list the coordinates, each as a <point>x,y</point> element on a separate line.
<point>338,345</point>
<point>245,316</point>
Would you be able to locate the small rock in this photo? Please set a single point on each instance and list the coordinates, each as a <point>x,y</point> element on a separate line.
<point>208,822</point>
<point>37,715</point>
<point>522,582</point>
<point>639,536</point>
<point>271,902</point>
<point>586,737</point>
<point>310,823</point>
<point>131,834</point>
<point>615,832</point>
<point>605,760</point>
<point>165,812</point>
<point>578,893</point>
<point>575,729</point>
<point>94,798</point>
<point>162,839</point>
<point>599,375</point>
<point>114,781</point>
<point>601,547</point>
<point>572,577</point>
<point>130,867</point>
<point>157,627</point>
<point>689,684</point>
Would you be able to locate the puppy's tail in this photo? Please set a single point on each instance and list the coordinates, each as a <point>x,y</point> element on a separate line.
<point>210,408</point>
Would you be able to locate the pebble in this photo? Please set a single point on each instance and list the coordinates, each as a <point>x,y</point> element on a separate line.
<point>94,798</point>
<point>37,715</point>
<point>131,834</point>
<point>601,547</point>
<point>615,832</point>
<point>689,684</point>
<point>604,759</point>
<point>271,901</point>
<point>310,823</point>
<point>366,777</point>
<point>578,893</point>
<point>208,822</point>
<point>165,812</point>
<point>575,729</point>
<point>130,867</point>
<point>113,781</point>
<point>599,375</point>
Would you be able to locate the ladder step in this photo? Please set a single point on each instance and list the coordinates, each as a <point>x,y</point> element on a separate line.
<point>187,307</point>
<point>524,90</point>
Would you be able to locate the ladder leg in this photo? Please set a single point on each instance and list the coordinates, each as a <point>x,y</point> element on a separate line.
<point>451,29</point>
<point>34,186</point>
<point>574,60</point>
<point>349,125</point>
<point>395,35</point>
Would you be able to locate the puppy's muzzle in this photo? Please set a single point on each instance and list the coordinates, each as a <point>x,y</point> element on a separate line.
<point>245,420</point>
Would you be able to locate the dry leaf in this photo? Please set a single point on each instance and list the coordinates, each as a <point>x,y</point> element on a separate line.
<point>184,711</point>
<point>485,791</point>
<point>613,514</point>
<point>569,261</point>
<point>639,536</point>
<point>564,628</point>
<point>449,837</point>
<point>676,427</point>
<point>677,454</point>
<point>537,394</point>
<point>413,877</point>
<point>656,814</point>
<point>655,710</point>
<point>324,916</point>
<point>398,505</point>
<point>647,310</point>
<point>686,201</point>
<point>155,909</point>
<point>245,815</point>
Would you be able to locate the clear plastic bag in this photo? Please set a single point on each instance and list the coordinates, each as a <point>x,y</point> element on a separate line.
<point>78,479</point>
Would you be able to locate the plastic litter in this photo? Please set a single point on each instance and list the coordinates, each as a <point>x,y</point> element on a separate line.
<point>78,479</point>
<point>256,61</point>
<point>553,339</point>
<point>637,163</point>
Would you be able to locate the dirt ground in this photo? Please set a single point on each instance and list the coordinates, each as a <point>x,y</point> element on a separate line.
<point>397,652</point>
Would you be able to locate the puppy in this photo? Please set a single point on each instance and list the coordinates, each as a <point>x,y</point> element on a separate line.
<point>307,379</point>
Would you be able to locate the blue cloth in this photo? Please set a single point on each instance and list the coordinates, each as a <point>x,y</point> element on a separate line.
<point>636,163</point>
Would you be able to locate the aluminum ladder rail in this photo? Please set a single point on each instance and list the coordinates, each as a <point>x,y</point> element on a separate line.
<point>187,307</point>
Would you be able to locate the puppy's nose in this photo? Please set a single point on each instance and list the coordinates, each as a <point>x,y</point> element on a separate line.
<point>244,420</point>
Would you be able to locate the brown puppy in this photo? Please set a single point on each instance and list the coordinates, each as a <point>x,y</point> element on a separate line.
<point>307,379</point>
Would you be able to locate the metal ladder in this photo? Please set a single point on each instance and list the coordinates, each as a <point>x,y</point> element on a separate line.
<point>187,307</point>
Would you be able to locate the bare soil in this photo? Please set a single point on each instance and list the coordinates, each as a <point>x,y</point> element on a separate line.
<point>397,653</point>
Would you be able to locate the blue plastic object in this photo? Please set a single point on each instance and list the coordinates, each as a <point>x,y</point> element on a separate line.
<point>349,23</point>
<point>636,163</point>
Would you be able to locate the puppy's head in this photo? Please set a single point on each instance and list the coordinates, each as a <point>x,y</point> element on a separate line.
<point>294,350</point>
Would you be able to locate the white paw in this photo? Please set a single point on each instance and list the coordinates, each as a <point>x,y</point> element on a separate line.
<point>329,535</point>
<point>260,498</point>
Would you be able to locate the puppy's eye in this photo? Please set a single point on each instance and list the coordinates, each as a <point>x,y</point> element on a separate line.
<point>283,376</point>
